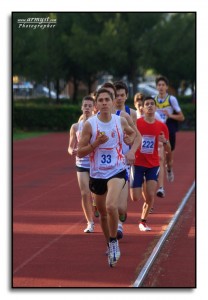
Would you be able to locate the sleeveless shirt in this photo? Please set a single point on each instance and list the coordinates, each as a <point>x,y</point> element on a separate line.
<point>83,162</point>
<point>107,159</point>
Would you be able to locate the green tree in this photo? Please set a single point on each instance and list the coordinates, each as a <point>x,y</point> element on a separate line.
<point>170,48</point>
<point>124,36</point>
<point>83,49</point>
<point>85,45</point>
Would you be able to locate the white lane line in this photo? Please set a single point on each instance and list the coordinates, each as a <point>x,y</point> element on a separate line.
<point>138,282</point>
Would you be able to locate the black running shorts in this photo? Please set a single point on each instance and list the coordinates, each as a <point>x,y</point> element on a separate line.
<point>99,186</point>
<point>81,169</point>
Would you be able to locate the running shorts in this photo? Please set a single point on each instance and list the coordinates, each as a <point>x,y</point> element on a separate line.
<point>138,174</point>
<point>99,186</point>
<point>81,169</point>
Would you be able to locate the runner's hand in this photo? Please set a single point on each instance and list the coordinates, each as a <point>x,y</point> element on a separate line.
<point>130,158</point>
<point>101,138</point>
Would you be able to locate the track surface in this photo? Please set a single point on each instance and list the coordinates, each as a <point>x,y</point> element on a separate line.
<point>175,265</point>
<point>49,246</point>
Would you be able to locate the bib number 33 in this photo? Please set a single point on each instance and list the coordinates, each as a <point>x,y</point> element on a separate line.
<point>105,159</point>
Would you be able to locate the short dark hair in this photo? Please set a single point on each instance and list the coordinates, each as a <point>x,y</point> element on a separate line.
<point>103,90</point>
<point>109,85</point>
<point>149,98</point>
<point>88,97</point>
<point>161,78</point>
<point>138,96</point>
<point>121,85</point>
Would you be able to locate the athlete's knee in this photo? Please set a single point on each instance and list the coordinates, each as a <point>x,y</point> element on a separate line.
<point>111,208</point>
<point>85,194</point>
<point>150,197</point>
<point>135,196</point>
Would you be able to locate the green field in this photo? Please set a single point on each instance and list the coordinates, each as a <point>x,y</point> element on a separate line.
<point>21,135</point>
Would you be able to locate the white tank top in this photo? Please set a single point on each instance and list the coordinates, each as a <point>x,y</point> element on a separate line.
<point>83,162</point>
<point>126,147</point>
<point>107,159</point>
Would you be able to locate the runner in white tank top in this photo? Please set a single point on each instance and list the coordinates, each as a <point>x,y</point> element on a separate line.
<point>102,135</point>
<point>123,201</point>
<point>107,159</point>
<point>83,164</point>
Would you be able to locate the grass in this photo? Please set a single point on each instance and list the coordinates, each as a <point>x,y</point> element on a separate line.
<point>22,135</point>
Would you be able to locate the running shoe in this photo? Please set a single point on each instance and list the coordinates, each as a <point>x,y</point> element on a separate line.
<point>161,192</point>
<point>90,228</point>
<point>143,227</point>
<point>113,253</point>
<point>170,175</point>
<point>123,217</point>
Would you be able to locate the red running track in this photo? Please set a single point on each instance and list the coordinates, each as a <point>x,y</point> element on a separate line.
<point>175,265</point>
<point>49,246</point>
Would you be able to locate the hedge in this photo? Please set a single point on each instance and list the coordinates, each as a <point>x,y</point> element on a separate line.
<point>189,111</point>
<point>60,117</point>
<point>45,117</point>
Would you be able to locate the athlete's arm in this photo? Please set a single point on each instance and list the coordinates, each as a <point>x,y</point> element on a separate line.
<point>164,138</point>
<point>72,140</point>
<point>179,116</point>
<point>127,139</point>
<point>84,146</point>
<point>130,155</point>
<point>133,115</point>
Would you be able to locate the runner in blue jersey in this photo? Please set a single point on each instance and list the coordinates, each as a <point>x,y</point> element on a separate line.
<point>121,97</point>
<point>171,113</point>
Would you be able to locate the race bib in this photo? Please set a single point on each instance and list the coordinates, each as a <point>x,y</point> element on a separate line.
<point>148,144</point>
<point>105,159</point>
<point>162,115</point>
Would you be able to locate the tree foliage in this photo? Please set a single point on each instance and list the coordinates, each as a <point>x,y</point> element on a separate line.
<point>170,48</point>
<point>85,45</point>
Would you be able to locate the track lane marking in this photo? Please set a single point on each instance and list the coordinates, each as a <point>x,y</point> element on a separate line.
<point>143,273</point>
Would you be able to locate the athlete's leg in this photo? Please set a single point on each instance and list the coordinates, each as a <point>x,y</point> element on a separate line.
<point>161,152</point>
<point>136,182</point>
<point>162,165</point>
<point>95,210</point>
<point>151,186</point>
<point>136,194</point>
<point>101,206</point>
<point>115,186</point>
<point>83,181</point>
<point>122,209</point>
<point>144,190</point>
<point>122,205</point>
<point>169,158</point>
